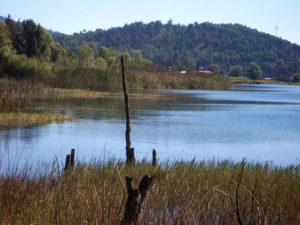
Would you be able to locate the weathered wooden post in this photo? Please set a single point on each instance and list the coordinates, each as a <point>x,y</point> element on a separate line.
<point>135,200</point>
<point>154,157</point>
<point>70,159</point>
<point>72,156</point>
<point>129,151</point>
<point>67,164</point>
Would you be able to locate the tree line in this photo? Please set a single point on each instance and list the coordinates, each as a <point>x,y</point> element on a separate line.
<point>27,49</point>
<point>197,45</point>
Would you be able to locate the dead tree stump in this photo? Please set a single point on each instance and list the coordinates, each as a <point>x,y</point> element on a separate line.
<point>136,199</point>
<point>129,150</point>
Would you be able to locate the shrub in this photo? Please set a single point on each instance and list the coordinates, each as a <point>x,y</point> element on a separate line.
<point>296,77</point>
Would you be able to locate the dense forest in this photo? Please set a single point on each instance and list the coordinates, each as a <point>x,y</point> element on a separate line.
<point>196,45</point>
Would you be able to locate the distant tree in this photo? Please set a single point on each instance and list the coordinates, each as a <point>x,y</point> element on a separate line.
<point>37,41</point>
<point>16,36</point>
<point>254,72</point>
<point>190,63</point>
<point>4,36</point>
<point>101,63</point>
<point>85,55</point>
<point>215,68</point>
<point>296,77</point>
<point>236,71</point>
<point>103,52</point>
<point>57,52</point>
<point>111,61</point>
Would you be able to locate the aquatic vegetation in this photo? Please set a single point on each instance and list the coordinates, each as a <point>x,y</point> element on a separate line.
<point>22,118</point>
<point>196,192</point>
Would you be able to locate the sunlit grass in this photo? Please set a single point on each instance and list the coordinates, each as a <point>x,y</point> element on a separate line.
<point>182,193</point>
<point>76,93</point>
<point>246,80</point>
<point>15,118</point>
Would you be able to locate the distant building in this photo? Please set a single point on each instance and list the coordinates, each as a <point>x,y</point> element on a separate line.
<point>204,72</point>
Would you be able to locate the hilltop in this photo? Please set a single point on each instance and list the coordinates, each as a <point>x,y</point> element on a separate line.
<point>196,45</point>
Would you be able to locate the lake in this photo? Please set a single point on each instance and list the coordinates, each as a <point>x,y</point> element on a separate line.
<point>257,122</point>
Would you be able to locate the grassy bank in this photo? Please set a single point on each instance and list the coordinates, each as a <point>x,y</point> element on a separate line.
<point>245,80</point>
<point>95,79</point>
<point>182,193</point>
<point>92,83</point>
<point>25,95</point>
<point>31,118</point>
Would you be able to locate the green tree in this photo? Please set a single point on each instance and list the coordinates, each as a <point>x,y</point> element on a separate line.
<point>103,52</point>
<point>236,71</point>
<point>296,77</point>
<point>215,68</point>
<point>16,36</point>
<point>57,52</point>
<point>85,55</point>
<point>4,36</point>
<point>37,40</point>
<point>111,61</point>
<point>254,72</point>
<point>101,63</point>
<point>190,63</point>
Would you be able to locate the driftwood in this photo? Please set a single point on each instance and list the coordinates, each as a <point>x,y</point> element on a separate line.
<point>129,151</point>
<point>136,199</point>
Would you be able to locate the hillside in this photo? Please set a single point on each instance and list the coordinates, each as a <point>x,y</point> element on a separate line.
<point>197,45</point>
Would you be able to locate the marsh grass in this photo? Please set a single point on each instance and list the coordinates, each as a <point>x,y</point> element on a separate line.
<point>16,118</point>
<point>245,80</point>
<point>26,95</point>
<point>16,95</point>
<point>111,80</point>
<point>182,193</point>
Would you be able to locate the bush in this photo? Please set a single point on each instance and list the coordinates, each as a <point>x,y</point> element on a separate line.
<point>296,77</point>
<point>20,66</point>
<point>254,72</point>
<point>236,71</point>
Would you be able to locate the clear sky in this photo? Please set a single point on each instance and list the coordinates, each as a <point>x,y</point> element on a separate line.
<point>69,16</point>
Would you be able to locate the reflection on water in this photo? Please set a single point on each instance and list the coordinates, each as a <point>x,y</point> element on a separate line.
<point>259,122</point>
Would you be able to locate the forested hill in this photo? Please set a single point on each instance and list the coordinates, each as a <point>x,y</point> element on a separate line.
<point>197,45</point>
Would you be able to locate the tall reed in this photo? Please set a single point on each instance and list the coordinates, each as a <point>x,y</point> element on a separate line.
<point>182,193</point>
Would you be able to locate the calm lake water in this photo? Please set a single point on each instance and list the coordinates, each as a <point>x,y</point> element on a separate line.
<point>257,122</point>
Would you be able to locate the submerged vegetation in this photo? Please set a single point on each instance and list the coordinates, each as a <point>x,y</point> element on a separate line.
<point>182,193</point>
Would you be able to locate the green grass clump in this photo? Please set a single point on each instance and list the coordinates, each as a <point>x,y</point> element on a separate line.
<point>182,193</point>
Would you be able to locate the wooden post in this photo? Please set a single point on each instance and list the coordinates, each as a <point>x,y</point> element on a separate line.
<point>67,164</point>
<point>154,157</point>
<point>136,199</point>
<point>72,156</point>
<point>129,150</point>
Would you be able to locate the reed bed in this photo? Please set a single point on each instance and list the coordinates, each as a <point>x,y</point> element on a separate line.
<point>182,193</point>
<point>110,80</point>
<point>31,118</point>
<point>16,95</point>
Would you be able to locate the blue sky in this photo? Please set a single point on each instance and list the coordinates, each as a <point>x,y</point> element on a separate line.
<point>69,16</point>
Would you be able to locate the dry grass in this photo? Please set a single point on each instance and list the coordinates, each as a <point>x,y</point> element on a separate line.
<point>76,93</point>
<point>245,80</point>
<point>31,118</point>
<point>182,193</point>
